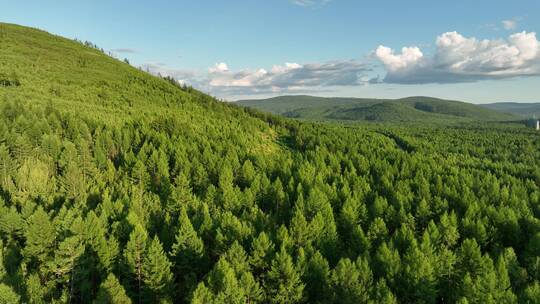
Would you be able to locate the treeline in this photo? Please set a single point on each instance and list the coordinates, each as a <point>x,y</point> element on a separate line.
<point>153,210</point>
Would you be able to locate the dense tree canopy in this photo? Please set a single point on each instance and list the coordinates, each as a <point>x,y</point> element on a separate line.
<point>334,214</point>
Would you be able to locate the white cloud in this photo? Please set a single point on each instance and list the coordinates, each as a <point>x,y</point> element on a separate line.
<point>461,59</point>
<point>409,56</point>
<point>289,77</point>
<point>509,24</point>
<point>219,67</point>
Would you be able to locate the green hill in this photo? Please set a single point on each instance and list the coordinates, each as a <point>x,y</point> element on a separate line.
<point>525,110</point>
<point>39,69</point>
<point>411,109</point>
<point>117,186</point>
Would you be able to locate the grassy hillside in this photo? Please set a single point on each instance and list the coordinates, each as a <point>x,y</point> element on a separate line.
<point>525,110</point>
<point>120,187</point>
<point>411,109</point>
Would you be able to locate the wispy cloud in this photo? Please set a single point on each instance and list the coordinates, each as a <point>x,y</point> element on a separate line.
<point>310,3</point>
<point>183,75</point>
<point>124,50</point>
<point>510,24</point>
<point>461,59</point>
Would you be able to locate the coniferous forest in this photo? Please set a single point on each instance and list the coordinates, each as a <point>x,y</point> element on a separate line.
<point>120,187</point>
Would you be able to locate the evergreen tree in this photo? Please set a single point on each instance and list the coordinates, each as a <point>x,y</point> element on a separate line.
<point>531,294</point>
<point>111,291</point>
<point>188,248</point>
<point>134,254</point>
<point>157,275</point>
<point>35,291</point>
<point>284,284</point>
<point>40,237</point>
<point>65,262</point>
<point>262,249</point>
<point>317,278</point>
<point>352,281</point>
<point>7,295</point>
<point>224,285</point>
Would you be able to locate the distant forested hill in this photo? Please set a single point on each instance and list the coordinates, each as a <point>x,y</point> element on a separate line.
<point>525,110</point>
<point>411,109</point>
<point>117,186</point>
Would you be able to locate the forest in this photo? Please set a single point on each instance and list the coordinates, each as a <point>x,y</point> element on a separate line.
<point>120,187</point>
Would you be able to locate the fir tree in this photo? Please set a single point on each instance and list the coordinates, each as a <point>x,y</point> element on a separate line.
<point>284,284</point>
<point>111,291</point>
<point>157,275</point>
<point>40,237</point>
<point>7,295</point>
<point>134,254</point>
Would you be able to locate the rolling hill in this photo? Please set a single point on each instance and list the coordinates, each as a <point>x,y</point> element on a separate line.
<point>525,110</point>
<point>411,109</point>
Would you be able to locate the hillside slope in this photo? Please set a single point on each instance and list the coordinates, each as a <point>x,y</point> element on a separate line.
<point>411,109</point>
<point>80,80</point>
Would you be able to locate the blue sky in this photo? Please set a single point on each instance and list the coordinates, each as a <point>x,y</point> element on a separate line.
<point>478,51</point>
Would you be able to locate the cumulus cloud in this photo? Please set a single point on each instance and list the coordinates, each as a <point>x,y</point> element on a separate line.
<point>461,59</point>
<point>287,77</point>
<point>409,56</point>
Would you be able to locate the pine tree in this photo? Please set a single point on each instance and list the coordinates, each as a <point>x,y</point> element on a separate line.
<point>383,294</point>
<point>106,249</point>
<point>40,237</point>
<point>157,275</point>
<point>317,278</point>
<point>11,223</point>
<point>419,276</point>
<point>449,229</point>
<point>284,284</point>
<point>225,285</point>
<point>531,294</point>
<point>64,265</point>
<point>300,230</point>
<point>188,249</point>
<point>252,289</point>
<point>73,181</point>
<point>261,250</point>
<point>227,192</point>
<point>7,295</point>
<point>111,291</point>
<point>134,254</point>
<point>352,281</point>
<point>34,179</point>
<point>35,291</point>
<point>202,295</point>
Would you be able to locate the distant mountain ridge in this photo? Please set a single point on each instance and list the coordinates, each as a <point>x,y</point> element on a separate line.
<point>410,109</point>
<point>526,110</point>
